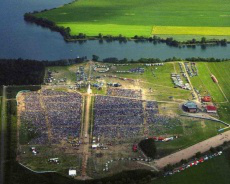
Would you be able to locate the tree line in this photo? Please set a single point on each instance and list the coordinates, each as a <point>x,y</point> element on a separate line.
<point>156,60</point>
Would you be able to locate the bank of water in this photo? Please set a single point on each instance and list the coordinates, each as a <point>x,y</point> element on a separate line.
<point>19,39</point>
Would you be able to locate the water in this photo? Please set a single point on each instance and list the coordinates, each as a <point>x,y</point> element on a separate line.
<point>19,39</point>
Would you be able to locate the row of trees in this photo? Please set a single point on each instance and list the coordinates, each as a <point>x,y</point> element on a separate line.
<point>156,60</point>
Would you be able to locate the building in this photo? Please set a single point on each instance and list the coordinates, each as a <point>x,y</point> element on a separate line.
<point>190,107</point>
<point>206,99</point>
<point>211,109</point>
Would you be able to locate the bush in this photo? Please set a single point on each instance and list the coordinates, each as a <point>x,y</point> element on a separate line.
<point>148,147</point>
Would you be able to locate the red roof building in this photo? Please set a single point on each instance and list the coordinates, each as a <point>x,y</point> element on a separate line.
<point>206,99</point>
<point>211,109</point>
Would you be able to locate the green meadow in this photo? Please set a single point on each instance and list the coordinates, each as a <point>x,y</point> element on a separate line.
<point>220,92</point>
<point>135,17</point>
<point>212,171</point>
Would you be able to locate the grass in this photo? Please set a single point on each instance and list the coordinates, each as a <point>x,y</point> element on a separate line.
<point>190,133</point>
<point>205,84</point>
<point>176,30</point>
<point>135,17</point>
<point>60,72</point>
<point>212,171</point>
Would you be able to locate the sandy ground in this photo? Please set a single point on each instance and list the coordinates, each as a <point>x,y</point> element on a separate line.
<point>192,150</point>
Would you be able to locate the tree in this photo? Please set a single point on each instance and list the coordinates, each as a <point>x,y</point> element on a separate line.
<point>203,40</point>
<point>95,58</point>
<point>213,150</point>
<point>148,147</point>
<point>198,155</point>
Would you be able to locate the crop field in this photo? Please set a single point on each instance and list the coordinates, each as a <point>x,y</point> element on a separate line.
<point>213,171</point>
<point>205,31</point>
<point>130,18</point>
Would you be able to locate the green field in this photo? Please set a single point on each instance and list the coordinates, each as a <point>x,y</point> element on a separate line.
<point>136,17</point>
<point>213,171</point>
<point>220,92</point>
<point>191,132</point>
<point>176,30</point>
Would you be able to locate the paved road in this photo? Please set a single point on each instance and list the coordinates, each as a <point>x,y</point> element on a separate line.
<point>3,135</point>
<point>192,150</point>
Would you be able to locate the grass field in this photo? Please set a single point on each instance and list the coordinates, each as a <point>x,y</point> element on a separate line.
<point>135,17</point>
<point>176,30</point>
<point>191,132</point>
<point>220,92</point>
<point>213,171</point>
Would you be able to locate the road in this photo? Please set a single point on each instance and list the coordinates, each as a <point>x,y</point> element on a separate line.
<point>192,150</point>
<point>86,135</point>
<point>3,135</point>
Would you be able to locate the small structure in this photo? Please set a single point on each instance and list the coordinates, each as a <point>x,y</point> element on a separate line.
<point>190,107</point>
<point>72,172</point>
<point>206,99</point>
<point>214,78</point>
<point>211,109</point>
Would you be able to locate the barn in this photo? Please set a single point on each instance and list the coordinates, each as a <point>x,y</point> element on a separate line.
<point>211,109</point>
<point>190,107</point>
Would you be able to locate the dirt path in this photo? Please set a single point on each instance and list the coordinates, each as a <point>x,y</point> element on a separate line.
<point>20,108</point>
<point>86,137</point>
<point>3,135</point>
<point>192,150</point>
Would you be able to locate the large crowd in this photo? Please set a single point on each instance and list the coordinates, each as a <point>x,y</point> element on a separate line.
<point>159,124</point>
<point>130,93</point>
<point>62,109</point>
<point>116,117</point>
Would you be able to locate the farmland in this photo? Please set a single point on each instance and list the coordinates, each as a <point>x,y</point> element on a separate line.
<point>130,18</point>
<point>205,31</point>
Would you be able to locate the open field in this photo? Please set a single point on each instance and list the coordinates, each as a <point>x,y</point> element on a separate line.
<point>204,31</point>
<point>213,171</point>
<point>190,132</point>
<point>220,92</point>
<point>131,18</point>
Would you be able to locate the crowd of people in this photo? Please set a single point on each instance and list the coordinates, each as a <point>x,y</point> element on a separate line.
<point>63,111</point>
<point>159,124</point>
<point>130,93</point>
<point>116,117</point>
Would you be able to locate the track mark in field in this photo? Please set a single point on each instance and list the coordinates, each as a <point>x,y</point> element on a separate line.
<point>218,86</point>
